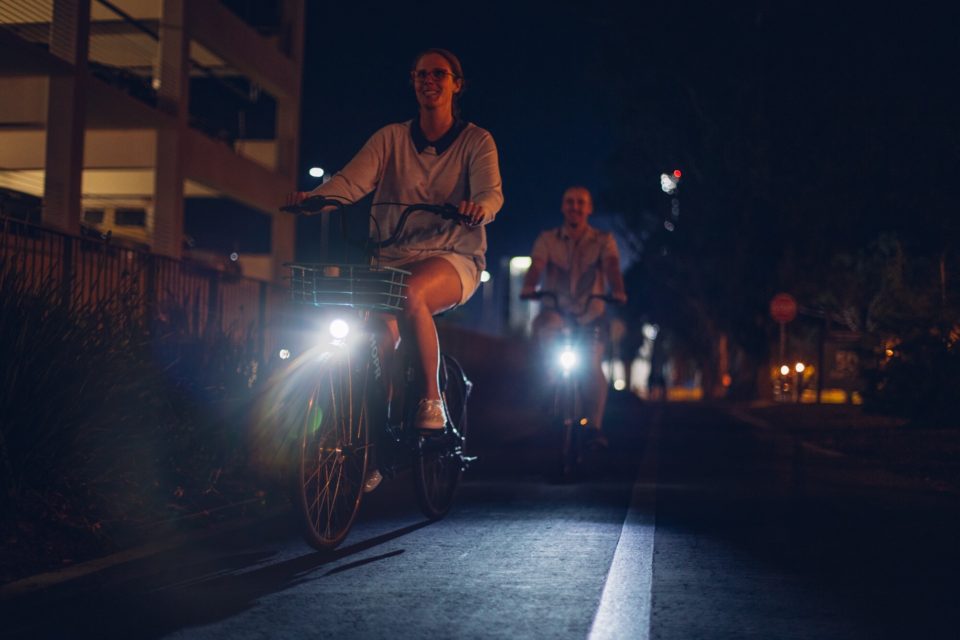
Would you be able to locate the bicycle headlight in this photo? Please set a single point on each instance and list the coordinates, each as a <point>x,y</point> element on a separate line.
<point>568,359</point>
<point>339,329</point>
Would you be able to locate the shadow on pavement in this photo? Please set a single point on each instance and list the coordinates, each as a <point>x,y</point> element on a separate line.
<point>178,595</point>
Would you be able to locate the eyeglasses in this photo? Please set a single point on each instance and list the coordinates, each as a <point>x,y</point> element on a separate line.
<point>421,75</point>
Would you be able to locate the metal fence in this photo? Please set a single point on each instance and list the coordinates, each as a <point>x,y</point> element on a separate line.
<point>191,299</point>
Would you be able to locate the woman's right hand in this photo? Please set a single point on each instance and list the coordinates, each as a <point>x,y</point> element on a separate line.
<point>296,197</point>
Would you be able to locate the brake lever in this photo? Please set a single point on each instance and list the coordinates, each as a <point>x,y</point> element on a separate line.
<point>449,212</point>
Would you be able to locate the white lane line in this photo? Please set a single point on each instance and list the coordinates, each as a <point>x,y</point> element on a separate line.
<point>624,610</point>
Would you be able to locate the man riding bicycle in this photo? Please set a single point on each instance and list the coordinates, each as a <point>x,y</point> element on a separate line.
<point>577,261</point>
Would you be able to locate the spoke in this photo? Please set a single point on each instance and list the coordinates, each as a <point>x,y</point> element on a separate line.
<point>332,467</point>
<point>333,500</point>
<point>313,510</point>
<point>319,465</point>
<point>349,397</point>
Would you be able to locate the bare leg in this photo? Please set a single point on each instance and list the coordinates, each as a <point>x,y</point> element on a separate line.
<point>433,286</point>
<point>595,388</point>
<point>547,330</point>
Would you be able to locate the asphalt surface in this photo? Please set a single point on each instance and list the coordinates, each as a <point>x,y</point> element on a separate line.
<point>692,525</point>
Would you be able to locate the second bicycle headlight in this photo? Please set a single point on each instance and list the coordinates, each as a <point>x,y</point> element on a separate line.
<point>568,359</point>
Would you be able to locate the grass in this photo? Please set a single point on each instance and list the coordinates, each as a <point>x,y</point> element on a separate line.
<point>918,450</point>
<point>112,431</point>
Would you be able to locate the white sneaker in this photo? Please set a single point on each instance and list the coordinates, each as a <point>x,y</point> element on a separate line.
<point>372,481</point>
<point>431,415</point>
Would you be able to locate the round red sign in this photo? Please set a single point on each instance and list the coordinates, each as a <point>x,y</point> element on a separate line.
<point>783,307</point>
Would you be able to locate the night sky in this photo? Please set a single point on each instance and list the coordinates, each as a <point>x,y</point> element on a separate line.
<point>845,109</point>
<point>552,83</point>
<point>531,83</point>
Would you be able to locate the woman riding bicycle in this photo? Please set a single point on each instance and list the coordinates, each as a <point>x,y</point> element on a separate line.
<point>436,158</point>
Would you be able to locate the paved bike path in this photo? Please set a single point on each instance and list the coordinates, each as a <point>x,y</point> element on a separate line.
<point>518,557</point>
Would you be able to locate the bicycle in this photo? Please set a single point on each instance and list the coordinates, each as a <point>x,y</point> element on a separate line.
<point>566,412</point>
<point>350,413</point>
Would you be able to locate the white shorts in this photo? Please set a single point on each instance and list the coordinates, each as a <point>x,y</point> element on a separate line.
<point>465,266</point>
<point>467,270</point>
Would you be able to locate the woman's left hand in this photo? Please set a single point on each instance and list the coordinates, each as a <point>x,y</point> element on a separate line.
<point>472,212</point>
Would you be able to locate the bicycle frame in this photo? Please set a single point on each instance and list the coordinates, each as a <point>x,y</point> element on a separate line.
<point>576,343</point>
<point>363,401</point>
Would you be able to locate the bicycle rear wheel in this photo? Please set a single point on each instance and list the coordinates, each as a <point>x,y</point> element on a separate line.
<point>333,455</point>
<point>438,464</point>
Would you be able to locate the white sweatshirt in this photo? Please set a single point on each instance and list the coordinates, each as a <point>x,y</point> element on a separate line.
<point>404,167</point>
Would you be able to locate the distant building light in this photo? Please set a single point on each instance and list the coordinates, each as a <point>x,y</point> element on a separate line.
<point>619,384</point>
<point>784,370</point>
<point>484,276</point>
<point>668,184</point>
<point>519,265</point>
<point>234,256</point>
<point>316,172</point>
<point>799,367</point>
<point>669,226</point>
<point>284,354</point>
<point>677,174</point>
<point>650,331</point>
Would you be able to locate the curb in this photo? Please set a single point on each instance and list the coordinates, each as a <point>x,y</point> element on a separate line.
<point>760,423</point>
<point>41,581</point>
<point>892,477</point>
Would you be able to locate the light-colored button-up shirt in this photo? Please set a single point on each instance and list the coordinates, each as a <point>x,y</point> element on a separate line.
<point>464,168</point>
<point>574,267</point>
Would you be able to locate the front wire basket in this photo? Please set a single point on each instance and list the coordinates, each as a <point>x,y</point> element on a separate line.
<point>341,285</point>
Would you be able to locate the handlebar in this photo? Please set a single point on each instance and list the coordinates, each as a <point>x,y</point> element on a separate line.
<point>537,295</point>
<point>316,204</point>
<point>445,211</point>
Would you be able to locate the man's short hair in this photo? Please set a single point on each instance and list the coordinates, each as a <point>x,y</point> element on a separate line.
<point>579,186</point>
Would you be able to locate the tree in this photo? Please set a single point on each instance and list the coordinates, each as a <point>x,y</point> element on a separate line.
<point>796,159</point>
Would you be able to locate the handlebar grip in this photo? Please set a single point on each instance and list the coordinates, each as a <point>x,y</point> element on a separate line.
<point>313,204</point>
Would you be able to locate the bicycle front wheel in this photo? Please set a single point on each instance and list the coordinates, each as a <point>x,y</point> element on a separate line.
<point>438,466</point>
<point>333,456</point>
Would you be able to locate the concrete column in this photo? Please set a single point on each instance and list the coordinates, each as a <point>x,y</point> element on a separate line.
<point>173,98</point>
<point>66,116</point>
<point>283,235</point>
